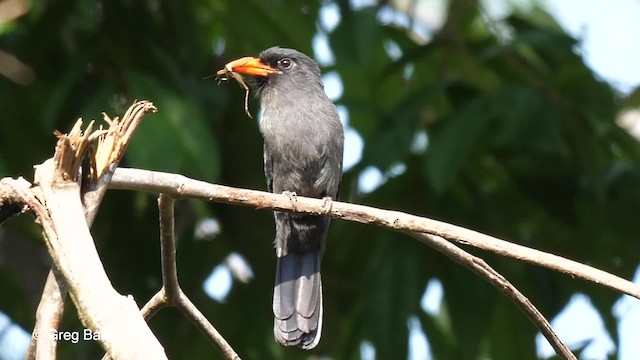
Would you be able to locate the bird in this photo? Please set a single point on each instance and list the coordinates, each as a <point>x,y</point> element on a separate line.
<point>303,150</point>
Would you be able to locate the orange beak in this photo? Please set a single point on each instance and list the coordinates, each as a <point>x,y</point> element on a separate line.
<point>251,66</point>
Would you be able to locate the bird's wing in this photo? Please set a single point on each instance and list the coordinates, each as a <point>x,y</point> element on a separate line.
<point>268,167</point>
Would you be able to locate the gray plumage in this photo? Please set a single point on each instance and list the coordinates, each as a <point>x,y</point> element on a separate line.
<point>303,146</point>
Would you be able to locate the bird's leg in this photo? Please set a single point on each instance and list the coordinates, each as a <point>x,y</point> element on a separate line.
<point>293,197</point>
<point>327,204</point>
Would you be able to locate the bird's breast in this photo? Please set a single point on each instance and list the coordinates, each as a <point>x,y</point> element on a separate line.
<point>295,137</point>
<point>305,158</point>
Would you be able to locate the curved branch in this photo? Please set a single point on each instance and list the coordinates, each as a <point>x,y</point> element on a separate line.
<point>182,186</point>
<point>482,269</point>
<point>171,290</point>
<point>171,294</point>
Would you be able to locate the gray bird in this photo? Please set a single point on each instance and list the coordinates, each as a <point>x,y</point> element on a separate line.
<point>303,146</point>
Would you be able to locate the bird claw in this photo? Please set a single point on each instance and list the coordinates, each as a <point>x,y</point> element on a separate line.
<point>293,197</point>
<point>327,204</point>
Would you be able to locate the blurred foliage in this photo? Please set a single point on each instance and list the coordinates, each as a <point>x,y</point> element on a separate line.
<point>521,144</point>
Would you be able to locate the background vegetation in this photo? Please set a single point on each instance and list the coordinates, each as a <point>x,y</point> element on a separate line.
<point>521,144</point>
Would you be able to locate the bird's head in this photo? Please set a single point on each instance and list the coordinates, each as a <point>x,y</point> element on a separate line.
<point>281,68</point>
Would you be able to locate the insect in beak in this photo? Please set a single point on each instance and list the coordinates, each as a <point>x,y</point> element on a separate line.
<point>246,65</point>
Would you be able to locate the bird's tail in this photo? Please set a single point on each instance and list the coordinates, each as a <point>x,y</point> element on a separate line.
<point>297,299</point>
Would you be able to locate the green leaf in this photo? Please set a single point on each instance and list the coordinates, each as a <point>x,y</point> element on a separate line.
<point>175,139</point>
<point>453,145</point>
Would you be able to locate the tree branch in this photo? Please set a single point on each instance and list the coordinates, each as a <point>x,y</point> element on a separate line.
<point>73,184</point>
<point>482,269</point>
<point>116,318</point>
<point>171,294</point>
<point>48,317</point>
<point>181,186</point>
<point>71,187</point>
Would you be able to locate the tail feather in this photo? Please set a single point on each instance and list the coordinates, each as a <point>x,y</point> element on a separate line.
<point>297,300</point>
<point>307,284</point>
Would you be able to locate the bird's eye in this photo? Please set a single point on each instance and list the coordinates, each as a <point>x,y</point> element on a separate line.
<point>285,63</point>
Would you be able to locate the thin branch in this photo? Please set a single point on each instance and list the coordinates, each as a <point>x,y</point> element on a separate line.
<point>200,321</point>
<point>181,186</point>
<point>170,283</point>
<point>152,306</point>
<point>482,269</point>
<point>171,294</point>
<point>48,317</point>
<point>171,288</point>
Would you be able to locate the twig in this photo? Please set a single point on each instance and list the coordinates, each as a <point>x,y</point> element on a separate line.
<point>152,306</point>
<point>171,288</point>
<point>170,283</point>
<point>181,186</point>
<point>482,269</point>
<point>171,294</point>
<point>200,321</point>
<point>48,317</point>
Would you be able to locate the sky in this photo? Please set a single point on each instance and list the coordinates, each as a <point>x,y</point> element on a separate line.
<point>610,36</point>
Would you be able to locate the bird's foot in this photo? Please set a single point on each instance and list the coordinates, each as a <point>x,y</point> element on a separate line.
<point>327,204</point>
<point>293,197</point>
